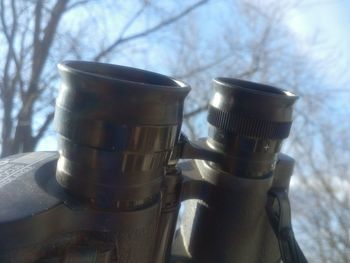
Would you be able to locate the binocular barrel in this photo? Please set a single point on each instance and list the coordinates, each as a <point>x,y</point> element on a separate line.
<point>117,127</point>
<point>248,121</point>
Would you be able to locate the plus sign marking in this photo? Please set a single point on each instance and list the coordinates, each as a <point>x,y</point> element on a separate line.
<point>266,147</point>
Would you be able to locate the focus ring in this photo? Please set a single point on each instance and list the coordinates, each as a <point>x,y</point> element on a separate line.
<point>247,126</point>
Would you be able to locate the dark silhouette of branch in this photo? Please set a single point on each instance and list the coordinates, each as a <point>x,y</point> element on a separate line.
<point>203,68</point>
<point>196,111</point>
<point>29,39</point>
<point>77,4</point>
<point>131,21</point>
<point>148,31</point>
<point>43,127</point>
<point>10,37</point>
<point>23,138</point>
<point>42,47</point>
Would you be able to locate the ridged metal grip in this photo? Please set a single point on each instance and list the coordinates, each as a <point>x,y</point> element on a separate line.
<point>247,126</point>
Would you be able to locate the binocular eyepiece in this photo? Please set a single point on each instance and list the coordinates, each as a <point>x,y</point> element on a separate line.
<point>248,121</point>
<point>117,127</point>
<point>124,121</point>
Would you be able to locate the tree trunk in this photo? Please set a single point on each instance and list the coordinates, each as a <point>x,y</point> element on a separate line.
<point>6,146</point>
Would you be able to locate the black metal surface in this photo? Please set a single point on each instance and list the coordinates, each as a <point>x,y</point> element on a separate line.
<point>248,121</point>
<point>228,223</point>
<point>117,127</point>
<point>38,215</point>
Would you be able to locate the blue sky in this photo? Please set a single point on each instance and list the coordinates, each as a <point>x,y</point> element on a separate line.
<point>328,21</point>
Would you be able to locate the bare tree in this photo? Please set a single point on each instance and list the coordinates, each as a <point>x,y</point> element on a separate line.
<point>321,196</point>
<point>246,40</point>
<point>35,35</point>
<point>256,46</point>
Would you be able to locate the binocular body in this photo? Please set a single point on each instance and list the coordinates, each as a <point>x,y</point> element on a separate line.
<point>52,226</point>
<point>224,217</point>
<point>114,190</point>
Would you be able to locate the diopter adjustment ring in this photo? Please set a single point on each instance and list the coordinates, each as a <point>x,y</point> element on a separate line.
<point>247,126</point>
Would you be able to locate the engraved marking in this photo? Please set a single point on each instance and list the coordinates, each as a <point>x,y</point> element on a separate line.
<point>266,147</point>
<point>12,169</point>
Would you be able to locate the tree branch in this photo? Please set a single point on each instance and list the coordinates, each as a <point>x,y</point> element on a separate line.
<point>10,37</point>
<point>202,68</point>
<point>76,4</point>
<point>148,31</point>
<point>36,36</point>
<point>43,127</point>
<point>131,21</point>
<point>41,48</point>
<point>196,111</point>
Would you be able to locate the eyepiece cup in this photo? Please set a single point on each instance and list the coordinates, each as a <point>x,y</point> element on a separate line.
<point>251,109</point>
<point>117,127</point>
<point>248,121</point>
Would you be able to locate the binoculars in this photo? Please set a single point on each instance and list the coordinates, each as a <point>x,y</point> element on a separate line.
<point>113,191</point>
